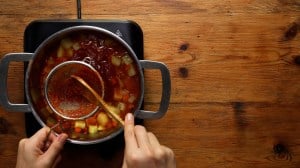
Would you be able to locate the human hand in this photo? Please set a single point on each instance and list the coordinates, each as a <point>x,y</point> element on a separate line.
<point>143,150</point>
<point>41,150</point>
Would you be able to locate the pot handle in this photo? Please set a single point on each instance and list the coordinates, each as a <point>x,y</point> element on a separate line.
<point>166,90</point>
<point>4,64</point>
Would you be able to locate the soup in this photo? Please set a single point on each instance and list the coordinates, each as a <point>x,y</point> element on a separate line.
<point>120,77</point>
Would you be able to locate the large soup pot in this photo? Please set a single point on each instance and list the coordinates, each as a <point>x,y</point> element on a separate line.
<point>34,92</point>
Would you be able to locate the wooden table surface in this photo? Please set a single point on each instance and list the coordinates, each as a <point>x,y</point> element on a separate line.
<point>235,71</point>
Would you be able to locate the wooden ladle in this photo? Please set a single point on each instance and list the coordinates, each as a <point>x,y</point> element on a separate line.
<point>97,99</point>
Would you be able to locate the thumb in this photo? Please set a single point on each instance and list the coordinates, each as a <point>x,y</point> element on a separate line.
<point>129,134</point>
<point>55,148</point>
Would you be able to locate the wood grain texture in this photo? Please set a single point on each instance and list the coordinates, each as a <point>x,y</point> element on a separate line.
<point>235,71</point>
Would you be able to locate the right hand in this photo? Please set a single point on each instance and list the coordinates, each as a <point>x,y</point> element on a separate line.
<point>143,150</point>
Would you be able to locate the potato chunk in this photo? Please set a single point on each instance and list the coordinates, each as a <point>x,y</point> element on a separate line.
<point>102,119</point>
<point>79,124</point>
<point>93,129</point>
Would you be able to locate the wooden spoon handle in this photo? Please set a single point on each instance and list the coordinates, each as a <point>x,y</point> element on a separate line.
<point>106,107</point>
<point>110,110</point>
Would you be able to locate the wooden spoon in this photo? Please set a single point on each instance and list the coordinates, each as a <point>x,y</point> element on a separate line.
<point>99,101</point>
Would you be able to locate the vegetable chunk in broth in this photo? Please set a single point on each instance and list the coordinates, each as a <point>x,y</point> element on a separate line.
<point>119,73</point>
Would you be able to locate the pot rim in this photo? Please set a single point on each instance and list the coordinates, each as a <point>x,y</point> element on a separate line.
<point>58,35</point>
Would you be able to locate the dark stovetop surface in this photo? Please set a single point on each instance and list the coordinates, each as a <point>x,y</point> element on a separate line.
<point>37,31</point>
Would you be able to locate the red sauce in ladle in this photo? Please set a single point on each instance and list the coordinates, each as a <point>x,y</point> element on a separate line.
<point>66,96</point>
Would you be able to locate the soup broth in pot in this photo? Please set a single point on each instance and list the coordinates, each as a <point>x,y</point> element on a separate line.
<point>117,69</point>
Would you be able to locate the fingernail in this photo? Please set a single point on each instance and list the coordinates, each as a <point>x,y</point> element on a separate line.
<point>129,117</point>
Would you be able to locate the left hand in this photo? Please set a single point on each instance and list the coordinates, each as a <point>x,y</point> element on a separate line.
<point>40,150</point>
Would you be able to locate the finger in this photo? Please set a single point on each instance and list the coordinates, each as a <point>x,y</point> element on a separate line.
<point>170,156</point>
<point>130,140</point>
<point>40,137</point>
<point>22,144</point>
<point>142,137</point>
<point>54,149</point>
<point>50,138</point>
<point>153,140</point>
<point>42,133</point>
